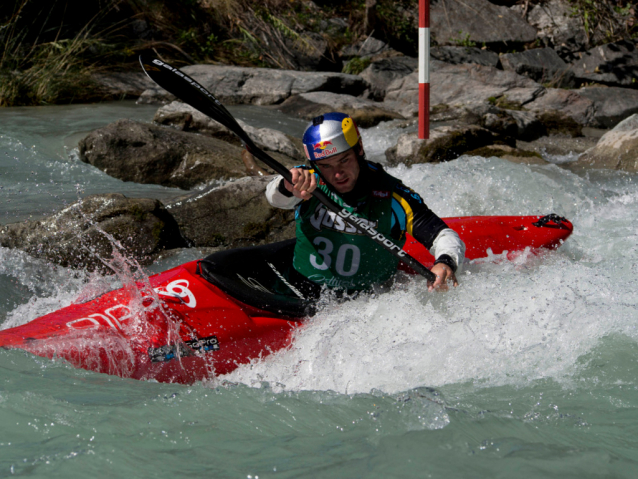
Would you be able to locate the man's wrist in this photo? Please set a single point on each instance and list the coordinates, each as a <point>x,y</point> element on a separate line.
<point>281,188</point>
<point>448,261</point>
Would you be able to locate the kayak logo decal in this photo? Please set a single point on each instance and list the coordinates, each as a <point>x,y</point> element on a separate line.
<point>178,289</point>
<point>116,315</point>
<point>333,221</point>
<point>165,353</point>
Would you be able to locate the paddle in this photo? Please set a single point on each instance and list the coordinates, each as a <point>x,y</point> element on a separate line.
<point>191,92</point>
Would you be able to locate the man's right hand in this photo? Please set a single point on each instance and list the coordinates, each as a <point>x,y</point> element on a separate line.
<point>303,183</point>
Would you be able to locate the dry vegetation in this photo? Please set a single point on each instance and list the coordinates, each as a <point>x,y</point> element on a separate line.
<point>49,49</point>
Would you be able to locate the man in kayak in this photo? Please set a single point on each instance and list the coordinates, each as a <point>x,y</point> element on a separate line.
<point>329,252</point>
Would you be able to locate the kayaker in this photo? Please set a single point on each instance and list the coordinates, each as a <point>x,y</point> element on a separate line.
<point>327,251</point>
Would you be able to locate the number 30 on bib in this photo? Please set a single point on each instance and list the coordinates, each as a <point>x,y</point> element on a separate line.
<point>347,258</point>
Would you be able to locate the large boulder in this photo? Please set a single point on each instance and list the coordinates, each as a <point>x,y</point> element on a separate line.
<point>144,153</point>
<point>540,64</point>
<point>186,118</point>
<point>616,150</point>
<point>455,85</point>
<point>598,107</point>
<point>381,73</point>
<point>259,86</point>
<point>366,113</point>
<point>236,214</point>
<point>87,232</point>
<point>446,143</point>
<point>611,105</point>
<point>478,21</point>
<point>614,64</point>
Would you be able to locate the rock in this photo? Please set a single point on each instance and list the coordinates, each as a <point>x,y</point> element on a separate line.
<point>121,85</point>
<point>143,153</point>
<point>455,85</point>
<point>599,107</point>
<point>611,105</point>
<point>236,214</point>
<point>515,155</point>
<point>364,49</point>
<point>456,55</point>
<point>614,64</point>
<point>479,21</point>
<point>558,27</point>
<point>380,74</point>
<point>310,51</point>
<point>567,101</point>
<point>616,150</point>
<point>540,64</point>
<point>259,86</point>
<point>186,118</point>
<point>445,143</point>
<point>365,113</point>
<point>523,96</point>
<point>82,234</point>
<point>528,125</point>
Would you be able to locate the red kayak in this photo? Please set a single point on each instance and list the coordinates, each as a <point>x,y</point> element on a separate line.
<point>205,318</point>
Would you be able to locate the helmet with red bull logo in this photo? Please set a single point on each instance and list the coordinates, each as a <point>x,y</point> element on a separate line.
<point>330,134</point>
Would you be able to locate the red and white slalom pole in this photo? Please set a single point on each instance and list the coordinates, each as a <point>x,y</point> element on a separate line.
<point>424,69</point>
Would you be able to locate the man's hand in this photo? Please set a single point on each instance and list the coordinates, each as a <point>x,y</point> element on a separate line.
<point>303,183</point>
<point>443,274</point>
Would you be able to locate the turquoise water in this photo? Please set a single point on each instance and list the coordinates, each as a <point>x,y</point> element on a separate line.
<point>527,369</point>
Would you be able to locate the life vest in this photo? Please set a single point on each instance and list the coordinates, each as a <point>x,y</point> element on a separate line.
<point>330,252</point>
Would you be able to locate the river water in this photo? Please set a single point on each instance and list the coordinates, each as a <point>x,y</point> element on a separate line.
<point>528,369</point>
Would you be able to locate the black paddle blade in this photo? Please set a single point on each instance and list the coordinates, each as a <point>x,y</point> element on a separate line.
<point>189,91</point>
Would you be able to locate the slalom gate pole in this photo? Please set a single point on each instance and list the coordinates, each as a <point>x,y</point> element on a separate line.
<point>424,69</point>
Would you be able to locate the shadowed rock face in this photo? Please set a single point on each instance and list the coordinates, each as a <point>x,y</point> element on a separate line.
<point>613,64</point>
<point>84,233</point>
<point>236,214</point>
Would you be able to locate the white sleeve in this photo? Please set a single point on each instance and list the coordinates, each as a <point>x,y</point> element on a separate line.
<point>448,242</point>
<point>276,199</point>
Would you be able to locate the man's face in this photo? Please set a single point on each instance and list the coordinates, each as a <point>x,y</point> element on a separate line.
<point>341,171</point>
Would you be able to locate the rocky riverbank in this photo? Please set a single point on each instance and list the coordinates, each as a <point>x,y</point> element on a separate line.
<point>554,96</point>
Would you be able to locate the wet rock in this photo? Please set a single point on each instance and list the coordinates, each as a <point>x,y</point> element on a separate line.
<point>479,21</point>
<point>614,64</point>
<point>380,74</point>
<point>259,86</point>
<point>365,113</point>
<point>84,233</point>
<point>540,64</point>
<point>144,153</point>
<point>457,54</point>
<point>616,150</point>
<point>557,26</point>
<point>446,143</point>
<point>515,155</point>
<point>186,118</point>
<point>236,214</point>
<point>455,85</point>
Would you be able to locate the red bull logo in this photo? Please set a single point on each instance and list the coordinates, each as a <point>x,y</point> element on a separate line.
<point>322,145</point>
